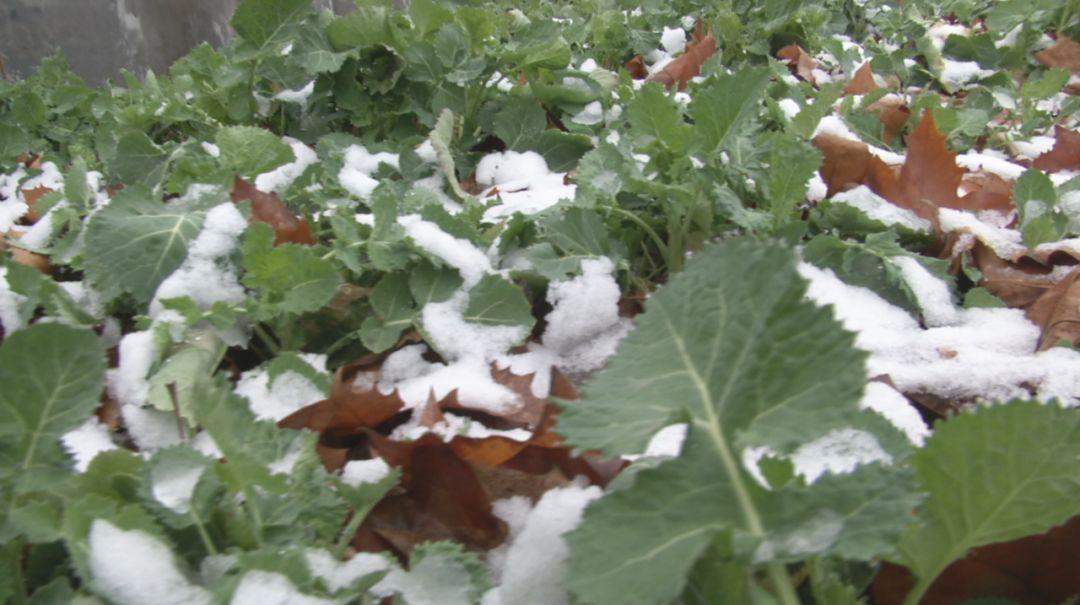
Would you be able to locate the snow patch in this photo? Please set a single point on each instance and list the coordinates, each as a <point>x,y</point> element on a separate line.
<point>135,568</point>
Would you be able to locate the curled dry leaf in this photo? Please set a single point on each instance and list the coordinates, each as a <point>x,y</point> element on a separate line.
<point>987,191</point>
<point>862,82</point>
<point>799,62</point>
<point>23,256</point>
<point>1018,284</point>
<point>351,407</point>
<point>1057,312</point>
<point>268,208</point>
<point>636,67</point>
<point>1064,53</point>
<point>687,65</point>
<point>1065,155</point>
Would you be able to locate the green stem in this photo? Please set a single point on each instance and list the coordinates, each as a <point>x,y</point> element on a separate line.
<point>648,231</point>
<point>256,516</point>
<point>349,532</point>
<point>266,339</point>
<point>781,582</point>
<point>919,590</point>
<point>203,535</point>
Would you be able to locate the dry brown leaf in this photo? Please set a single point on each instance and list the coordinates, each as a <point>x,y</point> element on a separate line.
<point>268,208</point>
<point>1057,312</point>
<point>349,409</point>
<point>25,257</point>
<point>862,82</point>
<point>846,162</point>
<point>1065,154</point>
<point>687,65</point>
<point>893,119</point>
<point>1064,53</point>
<point>1017,284</point>
<point>636,67</point>
<point>799,62</point>
<point>987,191</point>
<point>31,197</point>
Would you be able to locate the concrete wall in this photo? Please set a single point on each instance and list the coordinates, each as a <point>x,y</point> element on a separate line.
<point>100,37</point>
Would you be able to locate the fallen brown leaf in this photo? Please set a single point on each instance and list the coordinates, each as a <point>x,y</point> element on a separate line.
<point>799,62</point>
<point>636,67</point>
<point>31,197</point>
<point>268,208</point>
<point>1057,312</point>
<point>862,82</point>
<point>846,162</point>
<point>1063,53</point>
<point>1065,154</point>
<point>687,65</point>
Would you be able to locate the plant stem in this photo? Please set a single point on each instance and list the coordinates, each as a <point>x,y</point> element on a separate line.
<point>253,512</point>
<point>648,231</point>
<point>266,339</point>
<point>349,531</point>
<point>781,582</point>
<point>203,535</point>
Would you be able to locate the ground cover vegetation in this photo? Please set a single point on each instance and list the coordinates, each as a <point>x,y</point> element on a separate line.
<point>550,302</point>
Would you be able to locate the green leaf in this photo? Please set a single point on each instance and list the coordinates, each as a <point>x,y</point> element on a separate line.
<point>364,27</point>
<point>581,232</point>
<point>394,311</point>
<point>429,284</point>
<point>251,151</point>
<point>653,115</point>
<point>441,136</point>
<point>290,278</point>
<point>1050,84</point>
<point>732,347</point>
<point>138,160</point>
<point>442,568</point>
<point>496,302</point>
<point>52,376</point>
<point>724,104</point>
<point>136,242</point>
<point>75,189</point>
<point>520,123</point>
<point>791,163</point>
<point>313,53</point>
<point>192,361</point>
<point>1000,473</point>
<point>1036,199</point>
<point>263,21</point>
<point>289,361</point>
<point>562,150</point>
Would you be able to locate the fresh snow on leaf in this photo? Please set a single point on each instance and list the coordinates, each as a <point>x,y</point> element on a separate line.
<point>338,575</point>
<point>268,588</point>
<point>440,573</point>
<point>86,441</point>
<point>135,568</point>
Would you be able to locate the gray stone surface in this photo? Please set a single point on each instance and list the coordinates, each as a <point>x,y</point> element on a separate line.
<point>101,37</point>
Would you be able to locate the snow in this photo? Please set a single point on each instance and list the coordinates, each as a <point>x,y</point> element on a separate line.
<point>673,40</point>
<point>1006,243</point>
<point>135,568</point>
<point>837,452</point>
<point>957,74</point>
<point>259,587</point>
<point>358,472</point>
<point>298,96</point>
<point>432,581</point>
<point>461,254</point>
<point>173,482</point>
<point>206,276</point>
<point>86,442</point>
<point>150,429</point>
<point>285,464</point>
<point>360,164</point>
<point>583,328</point>
<point>534,570</point>
<point>816,189</point>
<point>213,150</point>
<point>789,107</point>
<point>975,161</point>
<point>85,296</point>
<point>38,235</point>
<point>137,354</point>
<point>892,405</point>
<point>528,196</point>
<point>289,392</point>
<point>935,300</point>
<point>1034,147</point>
<point>940,32</point>
<point>279,179</point>
<point>591,114</point>
<point>49,177</point>
<point>834,125</point>
<point>416,379</point>
<point>10,318</point>
<point>880,209</point>
<point>12,206</point>
<point>506,166</point>
<point>667,442</point>
<point>984,354</point>
<point>337,575</point>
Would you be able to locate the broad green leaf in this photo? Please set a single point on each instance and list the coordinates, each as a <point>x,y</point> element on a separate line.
<point>496,302</point>
<point>136,242</point>
<point>730,346</point>
<point>289,361</point>
<point>250,151</point>
<point>138,160</point>
<point>263,21</point>
<point>1000,473</point>
<point>653,115</point>
<point>394,311</point>
<point>791,164</point>
<point>562,150</point>
<point>313,53</point>
<point>442,568</point>
<point>366,26</point>
<point>724,103</point>
<point>75,189</point>
<point>52,376</point>
<point>428,16</point>
<point>520,123</point>
<point>290,278</point>
<point>429,284</point>
<point>1036,199</point>
<point>189,363</point>
<point>580,232</point>
<point>810,116</point>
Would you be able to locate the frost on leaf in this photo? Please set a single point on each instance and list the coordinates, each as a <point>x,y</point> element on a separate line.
<point>731,346</point>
